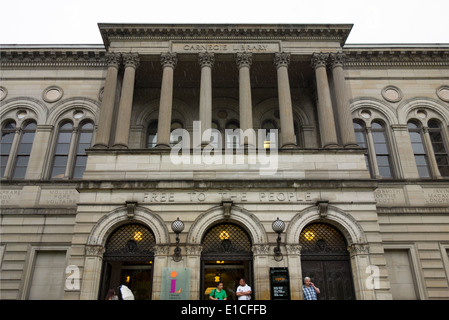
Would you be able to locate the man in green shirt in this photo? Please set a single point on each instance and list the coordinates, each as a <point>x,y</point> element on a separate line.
<point>218,293</point>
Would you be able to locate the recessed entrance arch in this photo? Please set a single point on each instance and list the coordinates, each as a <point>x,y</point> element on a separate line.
<point>128,260</point>
<point>325,259</point>
<point>226,257</point>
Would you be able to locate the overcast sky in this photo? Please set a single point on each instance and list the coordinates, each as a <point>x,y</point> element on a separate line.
<point>75,22</point>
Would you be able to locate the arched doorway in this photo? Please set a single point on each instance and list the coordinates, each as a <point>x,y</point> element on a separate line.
<point>226,257</point>
<point>128,260</point>
<point>325,259</point>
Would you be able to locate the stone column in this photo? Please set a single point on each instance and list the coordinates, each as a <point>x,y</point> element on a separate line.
<point>325,113</point>
<point>347,134</point>
<point>206,61</point>
<point>90,283</point>
<point>168,62</point>
<point>244,61</point>
<point>103,134</point>
<point>294,268</point>
<point>131,62</point>
<point>261,268</point>
<point>193,262</point>
<point>281,61</point>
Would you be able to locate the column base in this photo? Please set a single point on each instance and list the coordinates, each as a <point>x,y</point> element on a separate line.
<point>100,146</point>
<point>331,146</point>
<point>352,146</point>
<point>120,146</point>
<point>162,146</point>
<point>289,146</point>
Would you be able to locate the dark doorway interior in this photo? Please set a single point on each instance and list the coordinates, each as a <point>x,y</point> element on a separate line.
<point>325,259</point>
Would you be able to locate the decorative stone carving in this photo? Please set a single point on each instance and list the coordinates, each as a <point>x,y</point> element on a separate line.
<point>131,60</point>
<point>244,59</point>
<point>319,60</point>
<point>358,248</point>
<point>113,59</point>
<point>293,249</point>
<point>260,249</point>
<point>281,59</point>
<point>161,250</point>
<point>206,59</point>
<point>337,59</point>
<point>227,206</point>
<point>169,59</point>
<point>95,250</point>
<point>131,207</point>
<point>322,208</point>
<point>194,250</point>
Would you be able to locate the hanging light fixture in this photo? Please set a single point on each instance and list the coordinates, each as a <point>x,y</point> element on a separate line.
<point>177,226</point>
<point>278,227</point>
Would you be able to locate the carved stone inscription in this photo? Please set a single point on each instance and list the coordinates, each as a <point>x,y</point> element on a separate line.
<point>225,47</point>
<point>437,196</point>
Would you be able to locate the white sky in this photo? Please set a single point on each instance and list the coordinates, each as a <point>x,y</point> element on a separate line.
<point>75,22</point>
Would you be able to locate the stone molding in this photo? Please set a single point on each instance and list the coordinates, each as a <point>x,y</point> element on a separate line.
<point>192,32</point>
<point>337,59</point>
<point>70,58</point>
<point>410,57</point>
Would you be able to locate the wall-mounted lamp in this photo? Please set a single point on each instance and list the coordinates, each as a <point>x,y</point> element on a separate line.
<point>177,226</point>
<point>278,226</point>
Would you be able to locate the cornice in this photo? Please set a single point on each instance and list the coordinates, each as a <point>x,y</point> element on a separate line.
<point>194,32</point>
<point>13,58</point>
<point>397,57</point>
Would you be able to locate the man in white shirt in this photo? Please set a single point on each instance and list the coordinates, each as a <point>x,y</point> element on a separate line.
<point>243,290</point>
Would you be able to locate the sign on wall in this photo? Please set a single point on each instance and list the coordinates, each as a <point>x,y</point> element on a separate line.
<point>280,284</point>
<point>175,284</point>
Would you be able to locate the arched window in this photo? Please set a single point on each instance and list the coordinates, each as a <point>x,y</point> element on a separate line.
<point>381,149</point>
<point>440,149</point>
<point>69,159</point>
<point>24,150</point>
<point>152,134</point>
<point>8,132</point>
<point>62,149</point>
<point>419,150</point>
<point>84,141</point>
<point>360,136</point>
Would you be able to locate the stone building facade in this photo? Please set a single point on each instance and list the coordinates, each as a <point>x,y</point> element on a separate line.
<point>348,184</point>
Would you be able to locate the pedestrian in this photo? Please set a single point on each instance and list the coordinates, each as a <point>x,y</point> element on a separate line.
<point>126,293</point>
<point>309,290</point>
<point>243,290</point>
<point>218,293</point>
<point>111,295</point>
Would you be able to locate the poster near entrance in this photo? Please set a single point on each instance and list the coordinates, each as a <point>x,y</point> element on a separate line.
<point>280,284</point>
<point>175,284</point>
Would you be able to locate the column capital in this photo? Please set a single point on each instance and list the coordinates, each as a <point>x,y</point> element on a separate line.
<point>131,60</point>
<point>206,59</point>
<point>169,59</point>
<point>281,59</point>
<point>319,59</point>
<point>113,59</point>
<point>337,59</point>
<point>244,59</point>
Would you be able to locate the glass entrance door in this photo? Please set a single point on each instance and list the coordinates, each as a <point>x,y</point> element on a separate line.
<point>228,272</point>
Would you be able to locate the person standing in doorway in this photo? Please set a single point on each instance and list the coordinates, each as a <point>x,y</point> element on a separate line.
<point>243,290</point>
<point>309,290</point>
<point>218,293</point>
